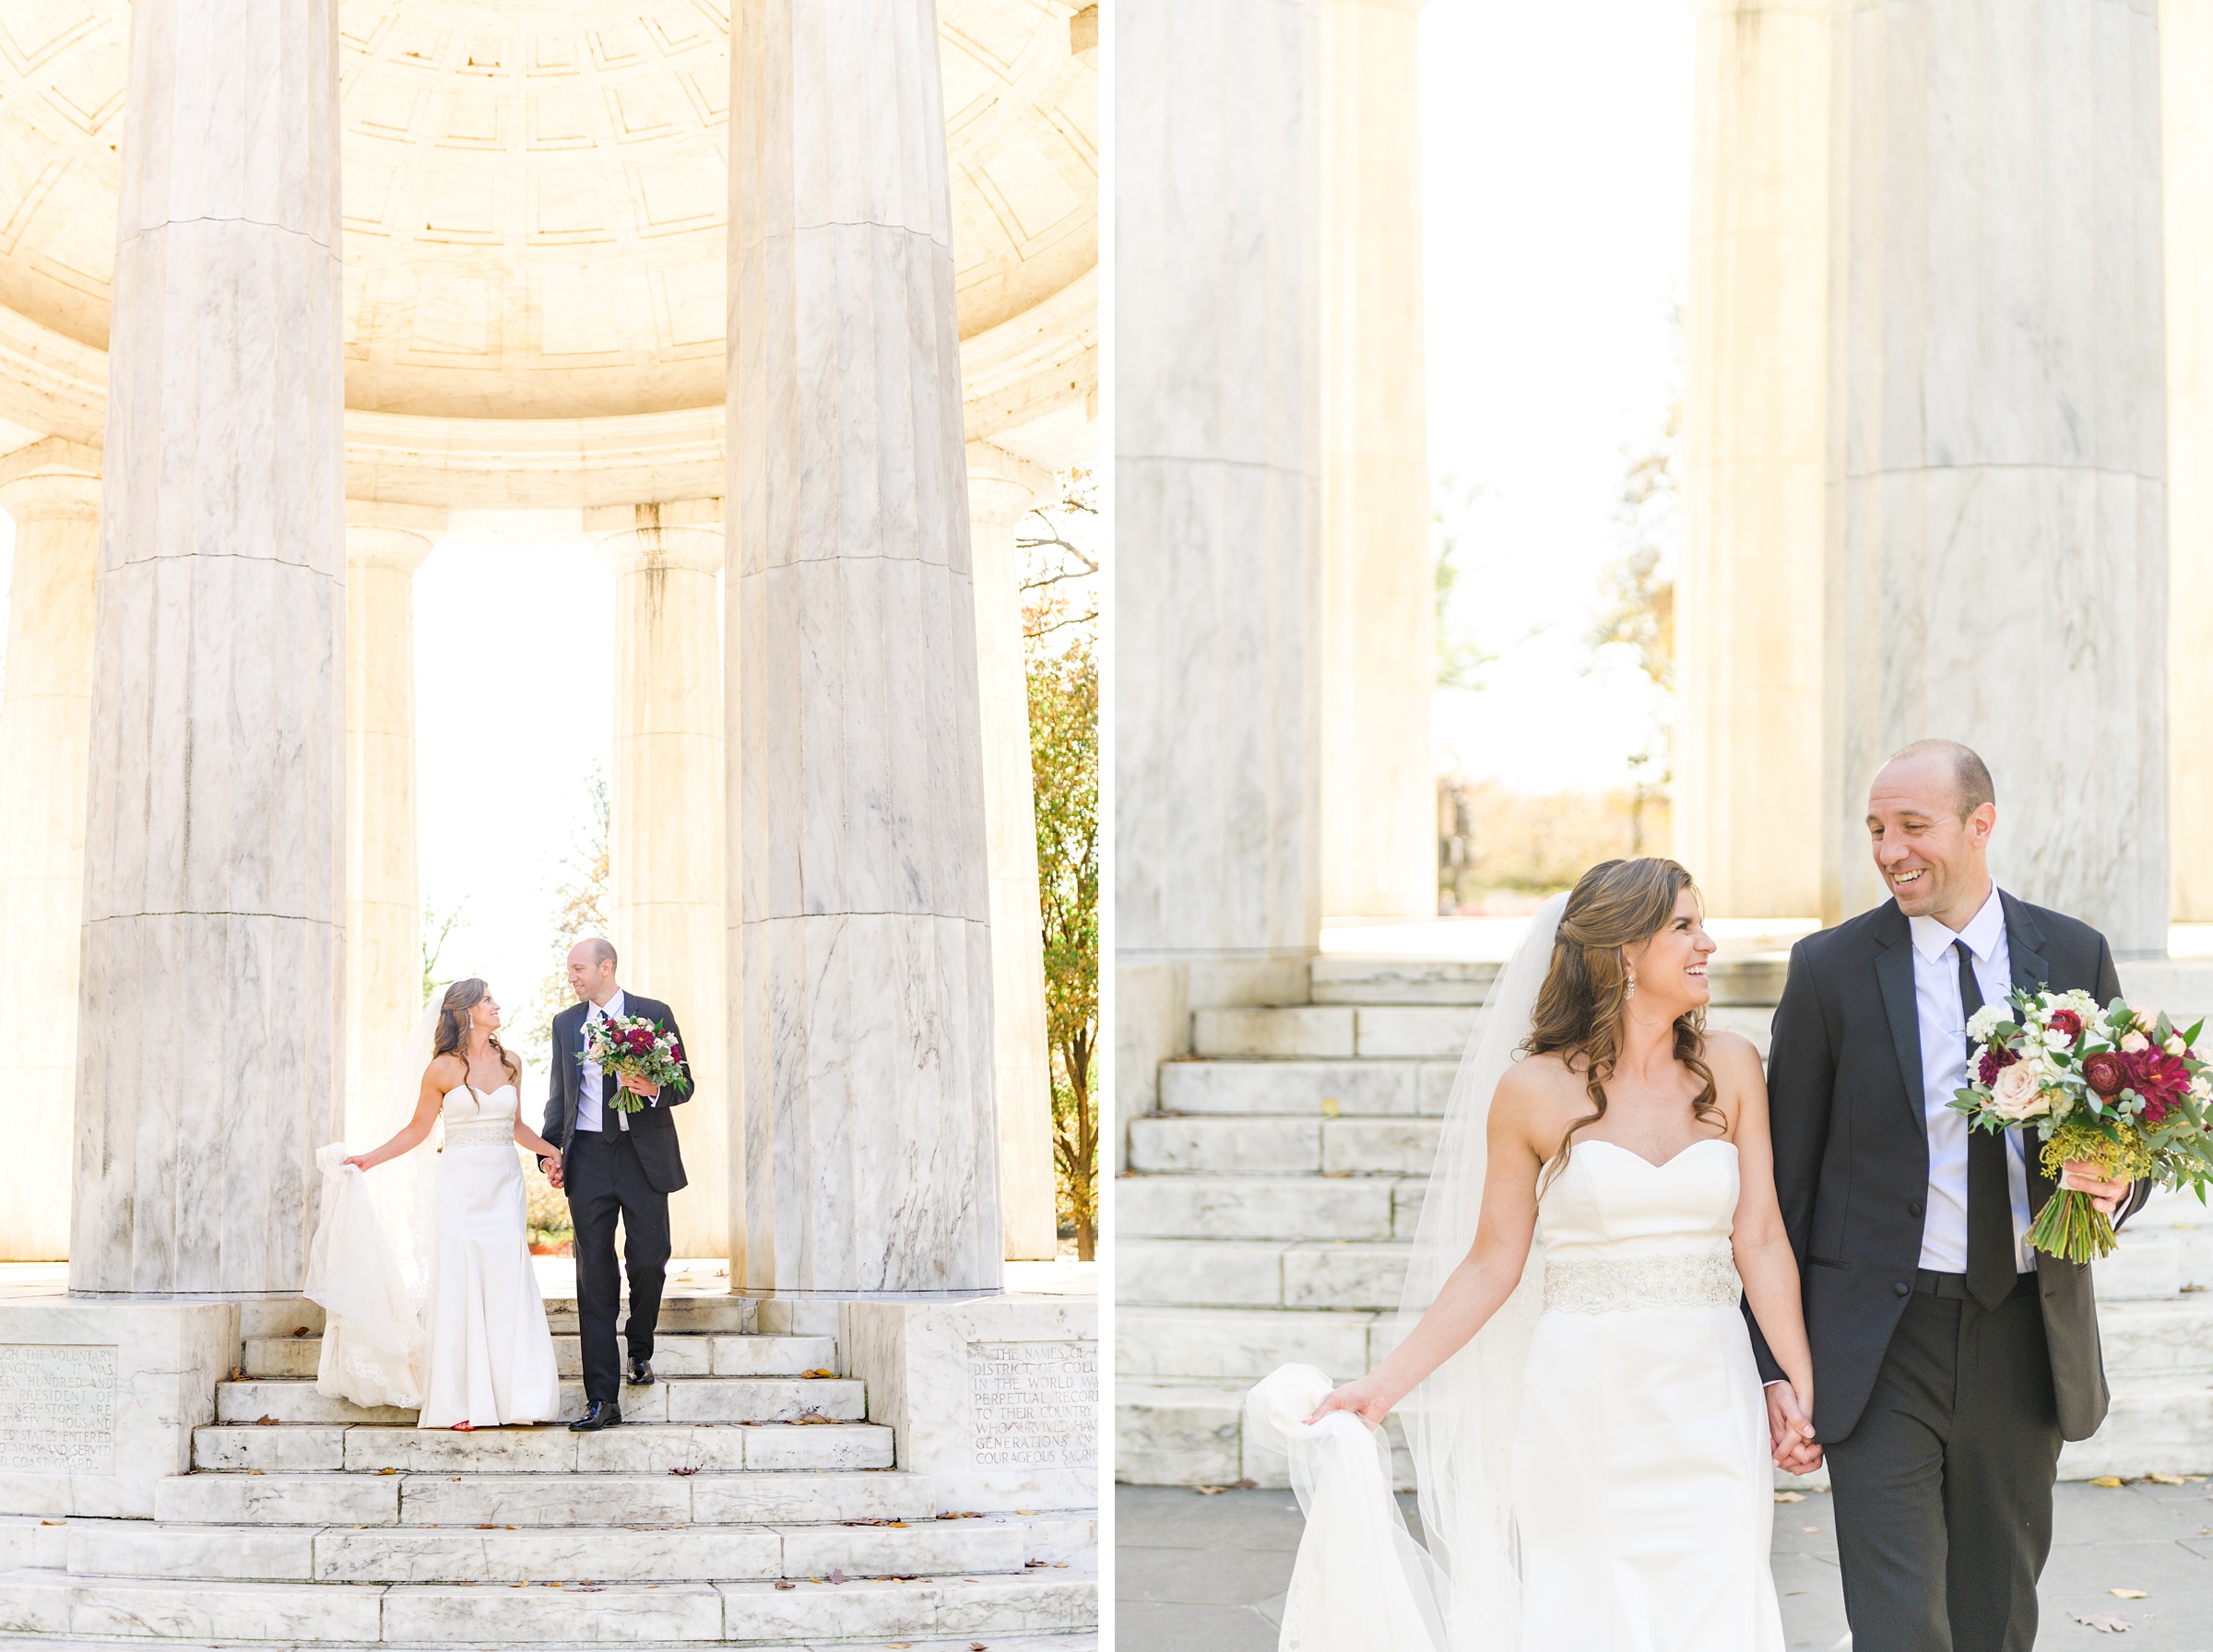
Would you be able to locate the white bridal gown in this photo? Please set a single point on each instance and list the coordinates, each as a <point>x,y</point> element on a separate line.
<point>1642,1484</point>
<point>491,1355</point>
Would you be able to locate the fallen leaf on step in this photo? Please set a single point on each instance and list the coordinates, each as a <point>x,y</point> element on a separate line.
<point>302,1331</point>
<point>238,1373</point>
<point>1249,1485</point>
<point>252,1470</point>
<point>837,1575</point>
<point>683,1472</point>
<point>2108,1481</point>
<point>1059,1566</point>
<point>1328,1106</point>
<point>2158,1479</point>
<point>2128,1594</point>
<point>1790,1496</point>
<point>1026,1511</point>
<point>824,1372</point>
<point>2104,1623</point>
<point>387,1471</point>
<point>783,1583</point>
<point>265,1422</point>
<point>977,1647</point>
<point>1210,1491</point>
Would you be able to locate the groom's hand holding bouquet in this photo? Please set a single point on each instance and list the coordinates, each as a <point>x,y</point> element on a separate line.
<point>2115,1094</point>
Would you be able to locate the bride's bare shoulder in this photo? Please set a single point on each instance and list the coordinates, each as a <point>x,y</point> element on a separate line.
<point>445,1071</point>
<point>1537,1085</point>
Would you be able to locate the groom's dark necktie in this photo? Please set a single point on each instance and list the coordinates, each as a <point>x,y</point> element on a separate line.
<point>1991,1273</point>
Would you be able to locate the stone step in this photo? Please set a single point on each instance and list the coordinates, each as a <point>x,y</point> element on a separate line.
<point>632,1449</point>
<point>1347,978</point>
<point>1259,1273</point>
<point>682,1399</point>
<point>1263,1146</point>
<point>675,1354</point>
<point>538,1554</point>
<point>1078,1642</point>
<point>1308,1089</point>
<point>730,1315</point>
<point>1243,1345</point>
<point>1278,1208</point>
<point>239,1498</point>
<point>2157,1338</point>
<point>139,1610</point>
<point>1191,1434</point>
<point>1338,1031</point>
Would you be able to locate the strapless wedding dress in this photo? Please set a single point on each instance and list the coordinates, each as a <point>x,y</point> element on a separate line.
<point>491,1358</point>
<point>1643,1487</point>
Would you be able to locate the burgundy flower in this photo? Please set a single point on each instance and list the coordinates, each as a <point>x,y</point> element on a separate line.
<point>2105,1072</point>
<point>2161,1078</point>
<point>1994,1061</point>
<point>2065,1020</point>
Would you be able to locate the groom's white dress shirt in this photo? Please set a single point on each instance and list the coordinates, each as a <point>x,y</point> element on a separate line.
<point>1942,1021</point>
<point>589,1088</point>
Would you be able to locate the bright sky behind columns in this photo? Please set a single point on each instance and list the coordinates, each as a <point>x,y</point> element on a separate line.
<point>515,685</point>
<point>1555,160</point>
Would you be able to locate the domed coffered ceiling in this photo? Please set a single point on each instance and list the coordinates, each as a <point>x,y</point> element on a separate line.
<point>536,190</point>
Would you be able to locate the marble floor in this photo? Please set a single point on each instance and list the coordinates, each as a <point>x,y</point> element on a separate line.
<point>1199,1574</point>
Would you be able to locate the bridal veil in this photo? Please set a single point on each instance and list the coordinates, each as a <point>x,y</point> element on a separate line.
<point>1360,1581</point>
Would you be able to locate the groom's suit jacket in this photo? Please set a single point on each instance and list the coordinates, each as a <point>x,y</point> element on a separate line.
<point>1852,1153</point>
<point>652,1126</point>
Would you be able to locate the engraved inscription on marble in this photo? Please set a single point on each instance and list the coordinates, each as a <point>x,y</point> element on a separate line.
<point>1035,1404</point>
<point>57,1409</point>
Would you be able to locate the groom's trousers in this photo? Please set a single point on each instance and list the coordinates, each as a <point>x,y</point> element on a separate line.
<point>1943,1489</point>
<point>603,1181</point>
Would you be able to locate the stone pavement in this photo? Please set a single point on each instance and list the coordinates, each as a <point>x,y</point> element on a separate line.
<point>1207,1574</point>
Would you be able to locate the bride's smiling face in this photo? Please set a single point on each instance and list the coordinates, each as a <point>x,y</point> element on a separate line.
<point>1671,967</point>
<point>484,1014</point>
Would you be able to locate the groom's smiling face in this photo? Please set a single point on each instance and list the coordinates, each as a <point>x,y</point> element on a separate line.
<point>1932,857</point>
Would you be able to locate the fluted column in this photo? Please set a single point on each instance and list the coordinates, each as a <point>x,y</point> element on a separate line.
<point>1749,756</point>
<point>1378,779</point>
<point>862,940</point>
<point>1997,556</point>
<point>1001,490</point>
<point>1218,572</point>
<point>211,1018</point>
<point>385,545</point>
<point>2187,115</point>
<point>52,489</point>
<point>665,842</point>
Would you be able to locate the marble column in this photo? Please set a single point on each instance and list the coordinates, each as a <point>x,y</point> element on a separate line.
<point>2186,122</point>
<point>1378,637</point>
<point>385,545</point>
<point>1997,553</point>
<point>1749,758</point>
<point>211,1012</point>
<point>52,490</point>
<point>665,838</point>
<point>1217,577</point>
<point>1001,490</point>
<point>861,943</point>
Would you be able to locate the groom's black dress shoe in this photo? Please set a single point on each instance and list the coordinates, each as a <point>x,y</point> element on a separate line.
<point>640,1374</point>
<point>598,1414</point>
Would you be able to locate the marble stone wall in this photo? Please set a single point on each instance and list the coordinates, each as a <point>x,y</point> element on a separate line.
<point>211,1025</point>
<point>667,820</point>
<point>1002,491</point>
<point>2186,153</point>
<point>1217,580</point>
<point>385,545</point>
<point>1748,754</point>
<point>860,940</point>
<point>1996,566</point>
<point>1378,644</point>
<point>52,490</point>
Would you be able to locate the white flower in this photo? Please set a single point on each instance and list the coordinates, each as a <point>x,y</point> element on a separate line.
<point>2148,1019</point>
<point>2018,1091</point>
<point>2080,1002</point>
<point>1985,1022</point>
<point>2175,1046</point>
<point>2057,1038</point>
<point>2133,1042</point>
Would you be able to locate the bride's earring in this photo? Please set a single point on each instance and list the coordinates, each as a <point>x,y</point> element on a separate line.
<point>1632,987</point>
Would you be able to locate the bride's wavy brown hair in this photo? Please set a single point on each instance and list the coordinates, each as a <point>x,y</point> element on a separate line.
<point>453,1026</point>
<point>1614,905</point>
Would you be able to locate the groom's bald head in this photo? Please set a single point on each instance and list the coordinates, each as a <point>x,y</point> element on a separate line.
<point>1969,774</point>
<point>1930,814</point>
<point>592,970</point>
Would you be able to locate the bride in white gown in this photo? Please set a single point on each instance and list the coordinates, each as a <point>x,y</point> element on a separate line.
<point>456,1326</point>
<point>1588,1428</point>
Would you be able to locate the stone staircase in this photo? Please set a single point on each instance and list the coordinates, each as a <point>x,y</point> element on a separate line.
<point>746,1499</point>
<point>1270,1202</point>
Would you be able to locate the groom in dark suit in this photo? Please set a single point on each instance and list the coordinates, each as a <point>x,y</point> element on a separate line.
<point>613,1163</point>
<point>1951,1359</point>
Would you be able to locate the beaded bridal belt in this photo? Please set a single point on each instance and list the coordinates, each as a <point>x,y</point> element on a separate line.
<point>1608,1287</point>
<point>480,1132</point>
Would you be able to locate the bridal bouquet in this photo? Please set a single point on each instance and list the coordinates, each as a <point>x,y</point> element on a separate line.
<point>632,1044</point>
<point>2119,1086</point>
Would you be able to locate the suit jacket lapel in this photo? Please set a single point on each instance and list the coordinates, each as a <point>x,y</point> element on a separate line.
<point>1894,975</point>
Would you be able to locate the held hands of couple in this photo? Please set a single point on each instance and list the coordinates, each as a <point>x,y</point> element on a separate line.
<point>2087,1175</point>
<point>1791,1432</point>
